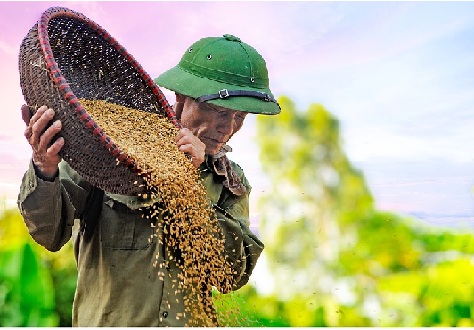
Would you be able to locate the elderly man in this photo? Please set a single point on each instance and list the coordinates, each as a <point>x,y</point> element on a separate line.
<point>218,81</point>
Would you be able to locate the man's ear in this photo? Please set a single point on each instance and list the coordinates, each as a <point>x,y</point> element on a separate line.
<point>178,106</point>
<point>180,98</point>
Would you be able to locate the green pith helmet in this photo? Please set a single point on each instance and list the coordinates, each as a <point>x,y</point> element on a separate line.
<point>223,71</point>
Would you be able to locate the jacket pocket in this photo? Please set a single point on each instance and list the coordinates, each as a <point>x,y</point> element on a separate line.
<point>123,228</point>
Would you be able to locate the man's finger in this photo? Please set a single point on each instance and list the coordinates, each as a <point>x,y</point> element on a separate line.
<point>55,147</point>
<point>48,135</point>
<point>25,113</point>
<point>180,134</point>
<point>40,123</point>
<point>37,114</point>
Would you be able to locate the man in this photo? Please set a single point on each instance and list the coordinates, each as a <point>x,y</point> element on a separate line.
<point>217,82</point>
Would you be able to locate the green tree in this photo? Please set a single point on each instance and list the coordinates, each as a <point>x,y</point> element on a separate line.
<point>335,259</point>
<point>316,193</point>
<point>36,286</point>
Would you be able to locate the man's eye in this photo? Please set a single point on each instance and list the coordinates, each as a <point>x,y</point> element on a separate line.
<point>241,115</point>
<point>219,111</point>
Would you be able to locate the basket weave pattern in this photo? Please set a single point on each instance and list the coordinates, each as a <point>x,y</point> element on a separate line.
<point>66,56</point>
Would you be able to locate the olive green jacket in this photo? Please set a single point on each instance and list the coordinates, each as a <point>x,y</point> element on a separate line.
<point>117,283</point>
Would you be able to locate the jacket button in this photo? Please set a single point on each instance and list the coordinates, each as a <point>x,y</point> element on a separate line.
<point>165,314</point>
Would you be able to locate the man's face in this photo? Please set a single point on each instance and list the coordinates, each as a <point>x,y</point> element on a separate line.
<point>212,124</point>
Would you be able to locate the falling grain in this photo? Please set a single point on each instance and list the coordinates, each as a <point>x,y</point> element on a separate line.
<point>183,213</point>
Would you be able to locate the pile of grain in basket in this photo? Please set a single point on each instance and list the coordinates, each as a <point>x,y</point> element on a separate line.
<point>188,221</point>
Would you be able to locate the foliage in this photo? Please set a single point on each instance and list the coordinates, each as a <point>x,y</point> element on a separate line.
<point>36,286</point>
<point>27,295</point>
<point>336,260</point>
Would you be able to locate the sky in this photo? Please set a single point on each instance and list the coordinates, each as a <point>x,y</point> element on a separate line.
<point>398,75</point>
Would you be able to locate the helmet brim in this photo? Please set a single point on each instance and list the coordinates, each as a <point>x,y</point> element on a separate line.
<point>183,82</point>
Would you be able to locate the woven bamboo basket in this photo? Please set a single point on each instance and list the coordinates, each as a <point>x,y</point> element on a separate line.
<point>66,56</point>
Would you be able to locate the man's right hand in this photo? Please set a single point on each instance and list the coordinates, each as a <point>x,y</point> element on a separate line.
<point>45,154</point>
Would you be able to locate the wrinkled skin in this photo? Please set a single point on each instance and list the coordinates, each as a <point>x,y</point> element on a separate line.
<point>45,154</point>
<point>211,124</point>
<point>206,128</point>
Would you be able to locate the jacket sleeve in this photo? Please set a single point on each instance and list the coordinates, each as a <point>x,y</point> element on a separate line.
<point>242,247</point>
<point>49,208</point>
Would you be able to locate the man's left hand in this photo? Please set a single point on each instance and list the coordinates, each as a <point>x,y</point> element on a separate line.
<point>190,144</point>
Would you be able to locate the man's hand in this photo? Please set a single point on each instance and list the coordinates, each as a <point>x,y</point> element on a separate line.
<point>190,144</point>
<point>45,154</point>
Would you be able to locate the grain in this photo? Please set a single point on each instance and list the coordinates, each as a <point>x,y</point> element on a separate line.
<point>185,221</point>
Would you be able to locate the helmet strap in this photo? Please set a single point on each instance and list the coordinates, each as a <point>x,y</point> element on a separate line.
<point>224,93</point>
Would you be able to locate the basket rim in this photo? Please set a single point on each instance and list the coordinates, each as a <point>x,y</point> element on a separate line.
<point>60,81</point>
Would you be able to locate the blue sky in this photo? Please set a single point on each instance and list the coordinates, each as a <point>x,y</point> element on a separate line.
<point>403,93</point>
<point>398,75</point>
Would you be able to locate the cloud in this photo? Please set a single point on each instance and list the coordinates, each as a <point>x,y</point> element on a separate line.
<point>398,75</point>
<point>434,186</point>
<point>8,48</point>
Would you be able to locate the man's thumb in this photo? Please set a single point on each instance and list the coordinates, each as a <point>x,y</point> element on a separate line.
<point>25,114</point>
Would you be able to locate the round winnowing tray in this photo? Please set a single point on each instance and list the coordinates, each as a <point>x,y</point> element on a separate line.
<point>66,56</point>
